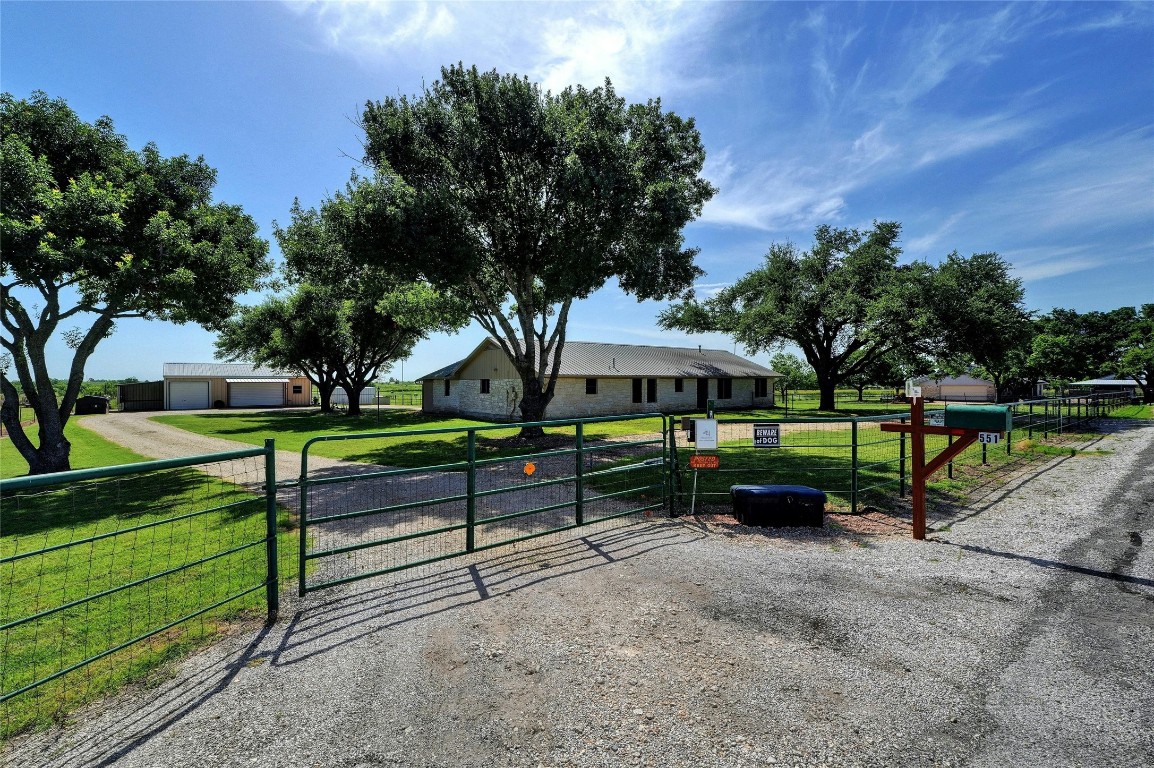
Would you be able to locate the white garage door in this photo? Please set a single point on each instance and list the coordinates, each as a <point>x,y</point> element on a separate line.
<point>971,393</point>
<point>255,394</point>
<point>187,395</point>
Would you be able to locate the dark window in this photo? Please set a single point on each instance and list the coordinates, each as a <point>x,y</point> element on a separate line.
<point>679,385</point>
<point>297,389</point>
<point>724,389</point>
<point>651,390</point>
<point>590,386</point>
<point>637,390</point>
<point>761,388</point>
<point>484,386</point>
<point>446,387</point>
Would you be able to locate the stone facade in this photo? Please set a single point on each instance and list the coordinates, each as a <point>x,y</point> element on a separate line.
<point>614,397</point>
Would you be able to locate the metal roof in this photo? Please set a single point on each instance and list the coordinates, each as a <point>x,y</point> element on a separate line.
<point>258,381</point>
<point>246,371</point>
<point>1106,381</point>
<point>590,359</point>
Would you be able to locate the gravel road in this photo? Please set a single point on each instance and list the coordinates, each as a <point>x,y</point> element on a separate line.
<point>1021,634</point>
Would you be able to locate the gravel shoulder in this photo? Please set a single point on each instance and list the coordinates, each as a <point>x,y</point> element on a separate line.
<point>1021,634</point>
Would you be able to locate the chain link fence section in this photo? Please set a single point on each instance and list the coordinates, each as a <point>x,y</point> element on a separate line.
<point>106,574</point>
<point>475,488</point>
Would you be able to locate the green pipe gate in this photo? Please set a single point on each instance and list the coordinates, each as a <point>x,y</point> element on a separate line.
<point>491,491</point>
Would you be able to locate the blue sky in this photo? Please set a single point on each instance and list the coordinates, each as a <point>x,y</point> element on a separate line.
<point>1023,128</point>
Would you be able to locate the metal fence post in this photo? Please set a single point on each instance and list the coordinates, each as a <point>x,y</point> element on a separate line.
<point>579,504</point>
<point>902,463</point>
<point>303,522</point>
<point>471,493</point>
<point>1030,423</point>
<point>272,577</point>
<point>853,468</point>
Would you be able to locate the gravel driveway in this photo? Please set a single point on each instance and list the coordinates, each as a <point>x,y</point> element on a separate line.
<point>1023,635</point>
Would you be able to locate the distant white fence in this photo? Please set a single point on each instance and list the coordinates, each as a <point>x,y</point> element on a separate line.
<point>368,396</point>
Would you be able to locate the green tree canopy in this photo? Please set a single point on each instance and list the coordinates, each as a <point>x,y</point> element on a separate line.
<point>343,324</point>
<point>795,373</point>
<point>519,202</point>
<point>982,318</point>
<point>93,232</point>
<point>845,302</point>
<point>1137,350</point>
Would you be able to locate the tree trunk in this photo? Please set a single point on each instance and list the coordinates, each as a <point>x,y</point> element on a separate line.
<point>828,389</point>
<point>325,391</point>
<point>861,393</point>
<point>533,404</point>
<point>52,455</point>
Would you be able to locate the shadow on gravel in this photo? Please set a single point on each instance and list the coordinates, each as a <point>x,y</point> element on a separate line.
<point>1054,564</point>
<point>202,678</point>
<point>350,617</point>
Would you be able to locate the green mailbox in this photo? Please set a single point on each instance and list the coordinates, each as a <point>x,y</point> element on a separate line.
<point>983,418</point>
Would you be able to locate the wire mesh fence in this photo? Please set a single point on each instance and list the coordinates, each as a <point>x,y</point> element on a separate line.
<point>486,487</point>
<point>851,459</point>
<point>106,574</point>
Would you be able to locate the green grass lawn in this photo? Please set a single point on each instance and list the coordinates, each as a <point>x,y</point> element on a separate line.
<point>88,450</point>
<point>1134,412</point>
<point>292,429</point>
<point>822,459</point>
<point>177,517</point>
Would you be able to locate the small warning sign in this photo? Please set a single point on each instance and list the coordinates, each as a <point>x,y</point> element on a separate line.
<point>704,461</point>
<point>767,435</point>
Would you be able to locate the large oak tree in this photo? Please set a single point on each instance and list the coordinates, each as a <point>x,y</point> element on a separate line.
<point>94,232</point>
<point>520,202</point>
<point>343,324</point>
<point>845,302</point>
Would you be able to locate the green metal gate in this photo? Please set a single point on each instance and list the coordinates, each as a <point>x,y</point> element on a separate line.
<point>434,494</point>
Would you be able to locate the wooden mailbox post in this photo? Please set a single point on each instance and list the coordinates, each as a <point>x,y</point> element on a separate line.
<point>962,422</point>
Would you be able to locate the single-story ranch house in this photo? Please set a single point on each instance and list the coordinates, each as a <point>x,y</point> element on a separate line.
<point>188,386</point>
<point>597,379</point>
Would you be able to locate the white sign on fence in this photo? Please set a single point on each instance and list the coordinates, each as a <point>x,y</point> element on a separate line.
<point>706,434</point>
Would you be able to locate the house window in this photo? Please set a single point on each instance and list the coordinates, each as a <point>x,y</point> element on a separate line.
<point>651,390</point>
<point>724,389</point>
<point>590,386</point>
<point>484,386</point>
<point>446,387</point>
<point>637,390</point>
<point>761,387</point>
<point>679,385</point>
<point>297,389</point>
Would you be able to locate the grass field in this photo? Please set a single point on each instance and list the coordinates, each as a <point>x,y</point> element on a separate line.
<point>292,429</point>
<point>144,526</point>
<point>1134,412</point>
<point>88,450</point>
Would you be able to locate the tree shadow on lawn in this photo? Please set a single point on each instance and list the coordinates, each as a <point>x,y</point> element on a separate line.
<point>273,423</point>
<point>131,498</point>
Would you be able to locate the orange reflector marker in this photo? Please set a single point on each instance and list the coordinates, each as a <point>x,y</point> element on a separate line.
<point>530,468</point>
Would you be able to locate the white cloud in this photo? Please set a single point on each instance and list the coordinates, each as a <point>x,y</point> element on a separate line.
<point>641,46</point>
<point>1089,185</point>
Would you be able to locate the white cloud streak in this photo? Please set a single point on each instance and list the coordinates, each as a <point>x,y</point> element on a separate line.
<point>640,46</point>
